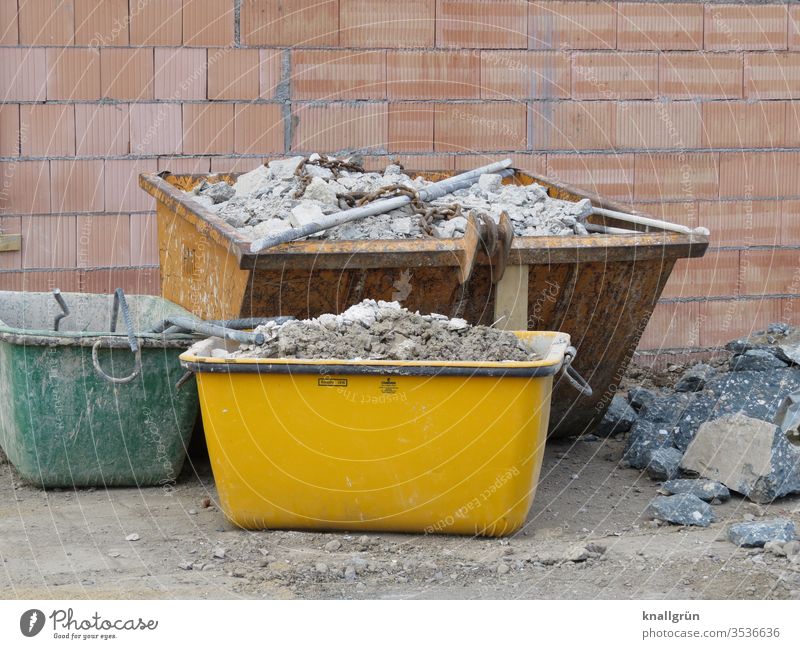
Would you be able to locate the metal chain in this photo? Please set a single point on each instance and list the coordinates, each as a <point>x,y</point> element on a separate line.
<point>427,214</point>
<point>336,167</point>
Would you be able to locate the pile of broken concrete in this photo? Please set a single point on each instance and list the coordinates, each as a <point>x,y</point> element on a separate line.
<point>718,431</point>
<point>292,192</point>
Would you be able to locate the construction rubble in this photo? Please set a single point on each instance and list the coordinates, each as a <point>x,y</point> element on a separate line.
<point>378,330</point>
<point>290,193</point>
<point>726,428</point>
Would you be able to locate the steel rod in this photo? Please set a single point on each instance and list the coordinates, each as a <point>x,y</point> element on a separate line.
<point>647,221</point>
<point>432,192</point>
<point>607,229</point>
<point>215,330</point>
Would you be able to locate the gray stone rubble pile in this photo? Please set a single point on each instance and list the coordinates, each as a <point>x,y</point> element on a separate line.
<point>721,431</point>
<point>263,202</point>
<point>378,330</point>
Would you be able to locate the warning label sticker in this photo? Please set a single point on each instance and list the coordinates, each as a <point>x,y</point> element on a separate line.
<point>329,382</point>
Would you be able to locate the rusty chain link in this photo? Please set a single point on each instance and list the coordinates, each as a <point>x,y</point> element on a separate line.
<point>336,167</point>
<point>427,214</point>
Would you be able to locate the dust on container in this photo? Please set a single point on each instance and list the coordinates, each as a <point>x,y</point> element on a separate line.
<point>411,446</point>
<point>77,407</point>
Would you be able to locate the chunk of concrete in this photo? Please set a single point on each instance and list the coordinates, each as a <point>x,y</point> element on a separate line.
<point>644,438</point>
<point>681,509</point>
<point>285,168</point>
<point>401,225</point>
<point>755,394</point>
<point>319,190</point>
<point>756,360</point>
<point>779,339</point>
<point>749,456</point>
<point>490,182</point>
<point>305,213</point>
<point>664,463</point>
<point>445,229</point>
<point>315,171</point>
<point>249,182</point>
<point>235,219</point>
<point>756,533</point>
<point>270,226</point>
<point>639,398</point>
<point>218,192</point>
<point>694,379</point>
<point>459,223</point>
<point>707,490</point>
<point>619,418</point>
<point>581,209</point>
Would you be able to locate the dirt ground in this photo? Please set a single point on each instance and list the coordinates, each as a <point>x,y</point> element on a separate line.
<point>71,544</point>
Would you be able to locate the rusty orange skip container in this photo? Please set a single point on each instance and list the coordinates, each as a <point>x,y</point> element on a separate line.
<point>414,446</point>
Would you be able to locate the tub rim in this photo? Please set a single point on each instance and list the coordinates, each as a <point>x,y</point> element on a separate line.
<point>547,366</point>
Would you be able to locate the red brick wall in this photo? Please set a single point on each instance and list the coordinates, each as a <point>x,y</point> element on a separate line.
<point>688,111</point>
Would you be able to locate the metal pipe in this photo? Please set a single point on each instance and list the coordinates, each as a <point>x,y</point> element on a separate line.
<point>64,308</point>
<point>250,323</point>
<point>209,329</point>
<point>167,327</point>
<point>432,192</point>
<point>646,221</point>
<point>607,229</point>
<point>121,304</point>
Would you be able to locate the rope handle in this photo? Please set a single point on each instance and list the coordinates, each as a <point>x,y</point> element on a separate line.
<point>571,374</point>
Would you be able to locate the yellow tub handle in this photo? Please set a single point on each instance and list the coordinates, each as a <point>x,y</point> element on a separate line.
<point>571,374</point>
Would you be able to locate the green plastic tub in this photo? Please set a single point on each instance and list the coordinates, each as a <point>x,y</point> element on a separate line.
<point>62,424</point>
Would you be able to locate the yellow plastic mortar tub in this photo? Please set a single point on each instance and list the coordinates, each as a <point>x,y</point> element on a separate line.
<point>414,446</point>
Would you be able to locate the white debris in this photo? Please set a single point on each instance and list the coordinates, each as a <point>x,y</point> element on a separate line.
<point>205,201</point>
<point>319,190</point>
<point>457,324</point>
<point>364,313</point>
<point>272,226</point>
<point>402,225</point>
<point>459,223</point>
<point>490,182</point>
<point>446,229</point>
<point>217,192</point>
<point>284,169</point>
<point>305,212</point>
<point>249,182</point>
<point>273,197</point>
<point>315,171</point>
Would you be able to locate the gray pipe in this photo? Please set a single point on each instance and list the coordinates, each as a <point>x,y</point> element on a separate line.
<point>432,192</point>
